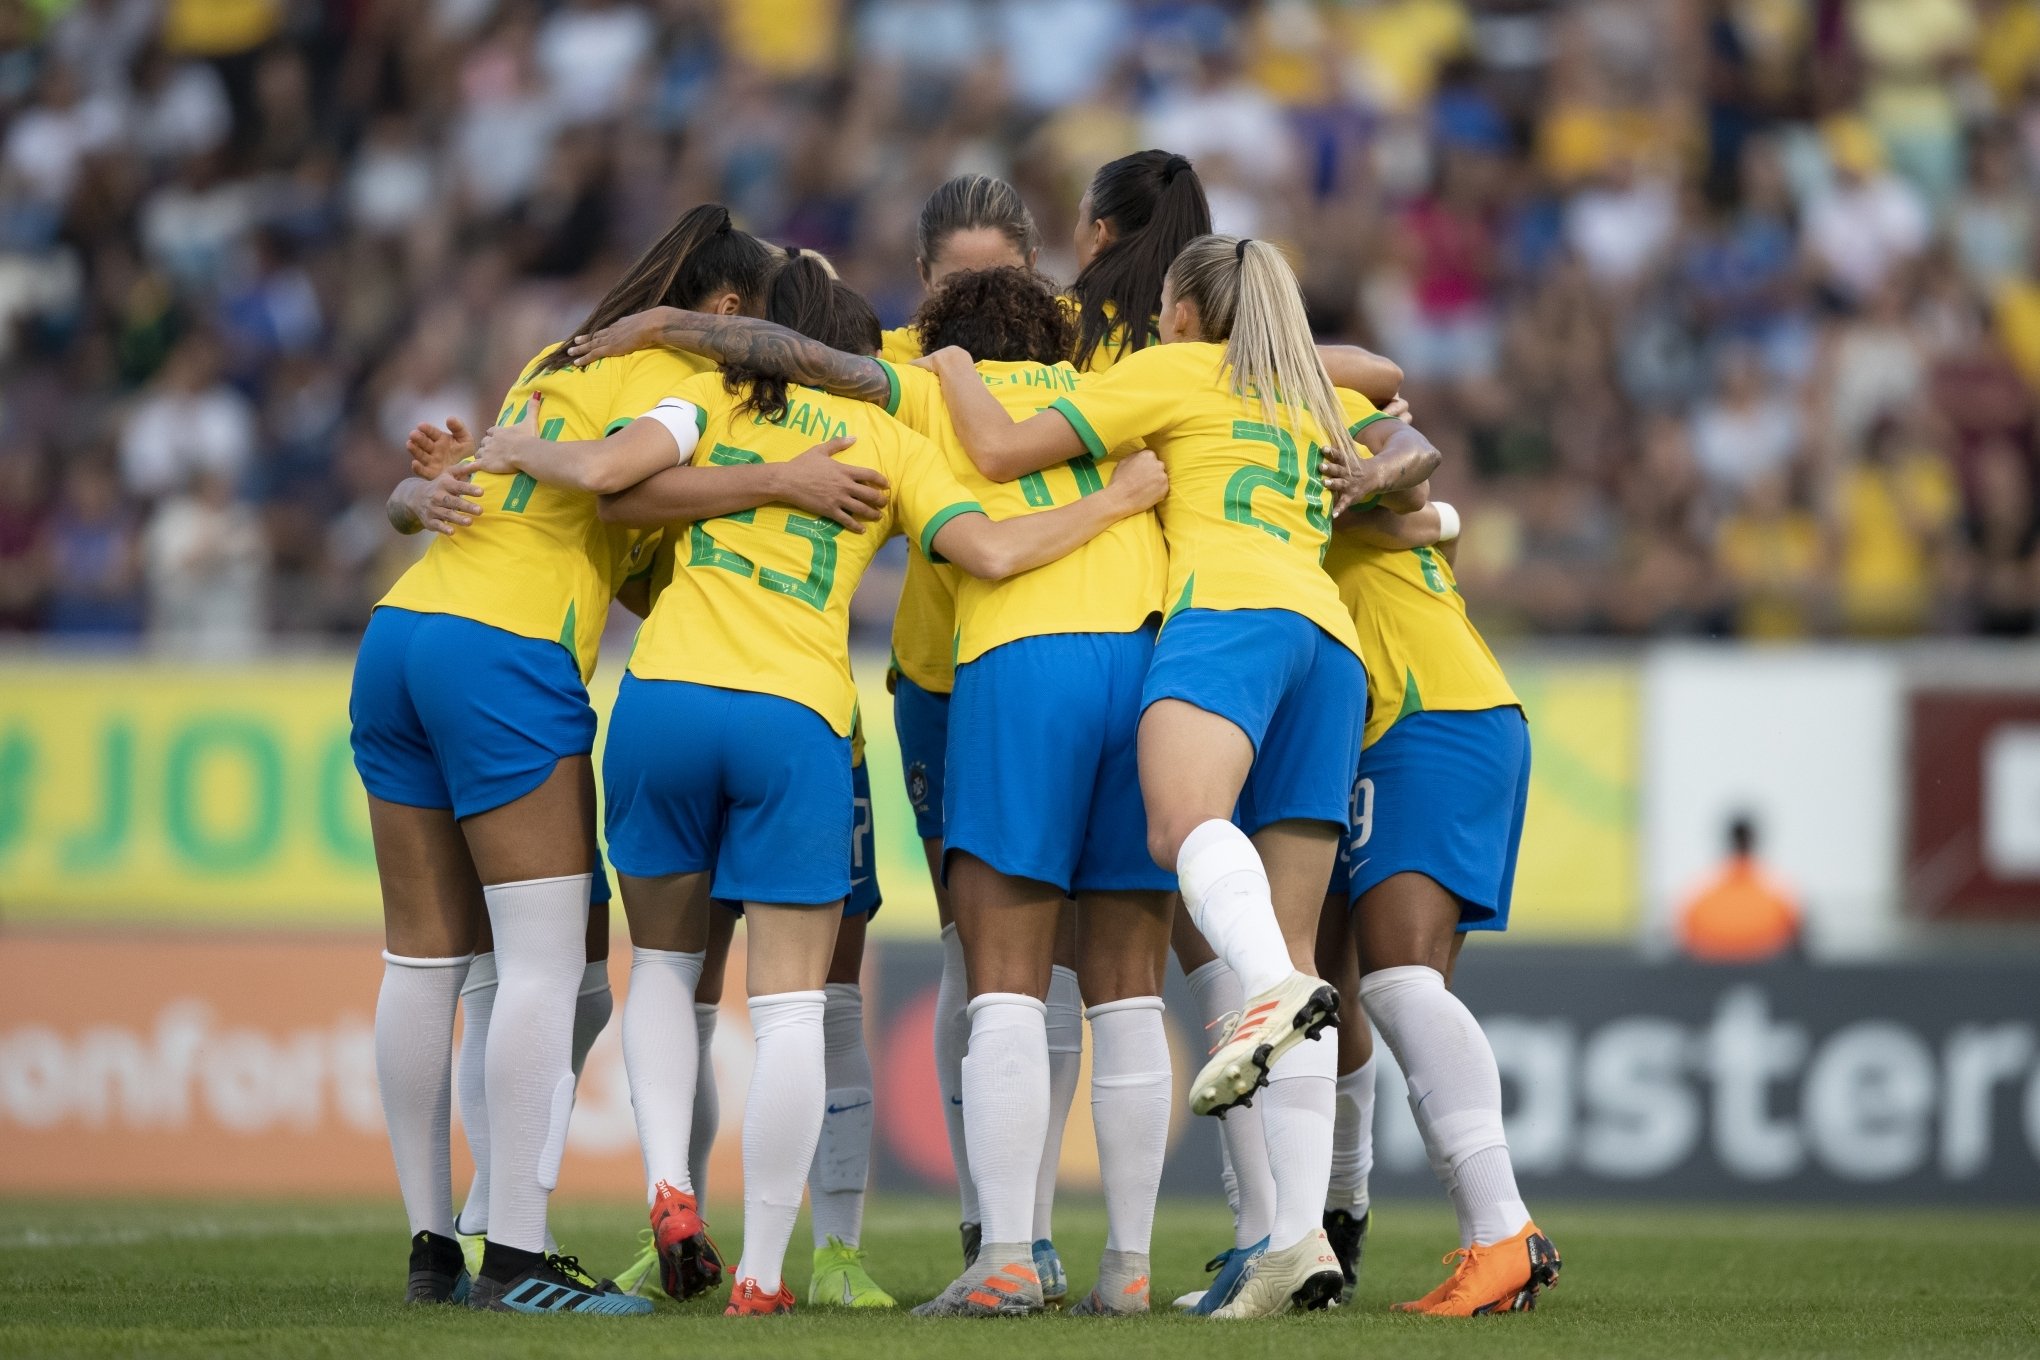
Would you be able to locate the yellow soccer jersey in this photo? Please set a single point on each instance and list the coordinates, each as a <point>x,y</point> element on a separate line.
<point>1112,348</point>
<point>539,562</point>
<point>760,601</point>
<point>1422,652</point>
<point>1247,516</point>
<point>924,625</point>
<point>900,345</point>
<point>1112,584</point>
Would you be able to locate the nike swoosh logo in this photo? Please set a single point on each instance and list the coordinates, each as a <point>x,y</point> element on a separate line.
<point>860,882</point>
<point>845,1109</point>
<point>1361,864</point>
<point>956,1100</point>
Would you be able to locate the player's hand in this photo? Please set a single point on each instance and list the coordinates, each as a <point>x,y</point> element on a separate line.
<point>847,493</point>
<point>1141,480</point>
<point>950,359</point>
<point>1350,480</point>
<point>639,330</point>
<point>445,503</point>
<point>1399,409</point>
<point>501,444</point>
<point>434,450</point>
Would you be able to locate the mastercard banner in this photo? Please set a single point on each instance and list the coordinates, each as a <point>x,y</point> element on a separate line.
<point>183,793</point>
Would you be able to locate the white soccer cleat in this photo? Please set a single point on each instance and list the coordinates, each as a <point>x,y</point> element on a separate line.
<point>1270,1024</point>
<point>1305,1276</point>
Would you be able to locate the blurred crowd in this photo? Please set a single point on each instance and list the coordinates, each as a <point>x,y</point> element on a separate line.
<point>1725,312</point>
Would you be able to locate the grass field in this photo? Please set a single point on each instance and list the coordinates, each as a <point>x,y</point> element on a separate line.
<point>142,1278</point>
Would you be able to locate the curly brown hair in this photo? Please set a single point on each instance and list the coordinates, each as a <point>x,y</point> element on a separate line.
<point>1009,314</point>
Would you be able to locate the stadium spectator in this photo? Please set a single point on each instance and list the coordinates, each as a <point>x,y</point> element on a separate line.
<point>1664,254</point>
<point>206,561</point>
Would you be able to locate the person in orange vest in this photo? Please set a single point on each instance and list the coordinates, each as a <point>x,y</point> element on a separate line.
<point>1741,914</point>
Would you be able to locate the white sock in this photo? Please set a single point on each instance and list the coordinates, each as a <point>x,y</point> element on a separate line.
<point>1452,1074</point>
<point>1065,1023</point>
<point>1297,1113</point>
<point>661,1058</point>
<point>1251,1185</point>
<point>1225,887</point>
<point>471,1087</point>
<point>952,1037</point>
<point>592,1009</point>
<point>707,1102</point>
<point>843,1156</point>
<point>1131,1094</point>
<point>539,927</point>
<point>413,1070</point>
<point>782,1123</point>
<point>1439,1168</point>
<point>1005,1109</point>
<point>1352,1136</point>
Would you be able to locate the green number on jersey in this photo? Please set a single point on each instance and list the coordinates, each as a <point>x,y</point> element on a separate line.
<point>523,484</point>
<point>1083,467</point>
<point>1283,479</point>
<point>702,549</point>
<point>1433,576</point>
<point>812,589</point>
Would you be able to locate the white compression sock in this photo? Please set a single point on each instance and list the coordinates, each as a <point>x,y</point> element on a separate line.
<point>707,1101</point>
<point>471,1086</point>
<point>1352,1137</point>
<point>1438,1166</point>
<point>661,1057</point>
<point>592,1009</point>
<point>782,1123</point>
<point>1241,1133</point>
<point>1065,1022</point>
<point>1297,1113</point>
<point>1452,1074</point>
<point>1225,888</point>
<point>413,1070</point>
<point>843,1156</point>
<point>539,927</point>
<point>1130,1099</point>
<point>952,1037</point>
<point>1005,1109</point>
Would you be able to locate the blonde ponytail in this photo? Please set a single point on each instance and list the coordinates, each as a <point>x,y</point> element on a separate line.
<point>1248,300</point>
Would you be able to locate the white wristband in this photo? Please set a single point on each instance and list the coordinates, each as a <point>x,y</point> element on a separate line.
<point>1448,521</point>
<point>682,420</point>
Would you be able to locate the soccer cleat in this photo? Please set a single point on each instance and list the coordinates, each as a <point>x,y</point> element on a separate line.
<point>689,1263</point>
<point>973,1235</point>
<point>1122,1288</point>
<point>748,1300</point>
<point>1270,1024</point>
<point>1502,1278</point>
<point>438,1273</point>
<point>1003,1283</point>
<point>1348,1236</point>
<point>1055,1281</point>
<point>840,1279</point>
<point>1304,1276</point>
<point>471,1245</point>
<point>641,1276</point>
<point>1232,1265</point>
<point>553,1284</point>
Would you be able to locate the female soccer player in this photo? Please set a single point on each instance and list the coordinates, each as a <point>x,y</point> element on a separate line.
<point>721,773</point>
<point>1444,730</point>
<point>1251,704</point>
<point>489,808</point>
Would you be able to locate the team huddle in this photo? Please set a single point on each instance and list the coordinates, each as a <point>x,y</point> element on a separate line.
<point>1179,666</point>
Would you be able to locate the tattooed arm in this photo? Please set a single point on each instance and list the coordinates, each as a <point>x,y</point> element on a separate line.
<point>740,342</point>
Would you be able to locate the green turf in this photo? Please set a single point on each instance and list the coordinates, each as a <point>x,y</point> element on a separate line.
<point>138,1278</point>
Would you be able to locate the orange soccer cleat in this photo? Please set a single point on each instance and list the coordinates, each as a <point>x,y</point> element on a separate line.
<point>1502,1278</point>
<point>748,1300</point>
<point>689,1263</point>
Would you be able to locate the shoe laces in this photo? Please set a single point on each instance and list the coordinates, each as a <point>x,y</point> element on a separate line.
<point>570,1266</point>
<point>1225,1024</point>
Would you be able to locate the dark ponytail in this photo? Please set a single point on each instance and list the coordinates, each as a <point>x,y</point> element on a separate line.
<point>700,255</point>
<point>973,203</point>
<point>1156,205</point>
<point>804,296</point>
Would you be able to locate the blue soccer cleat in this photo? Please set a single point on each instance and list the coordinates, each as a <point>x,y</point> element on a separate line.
<point>554,1284</point>
<point>1055,1283</point>
<point>1231,1265</point>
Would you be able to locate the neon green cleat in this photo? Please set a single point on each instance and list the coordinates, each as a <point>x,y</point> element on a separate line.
<point>471,1245</point>
<point>641,1276</point>
<point>840,1280</point>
